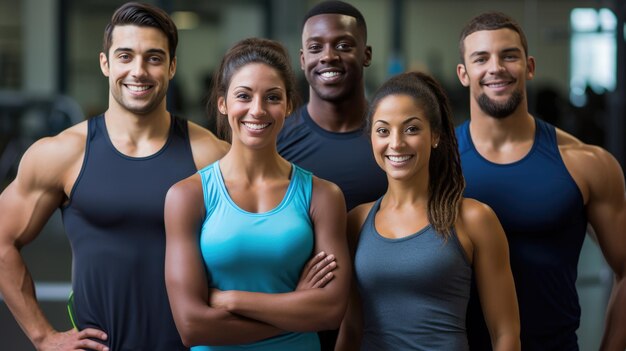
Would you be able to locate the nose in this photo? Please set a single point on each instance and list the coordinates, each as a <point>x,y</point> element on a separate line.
<point>495,65</point>
<point>257,107</point>
<point>139,68</point>
<point>397,141</point>
<point>329,54</point>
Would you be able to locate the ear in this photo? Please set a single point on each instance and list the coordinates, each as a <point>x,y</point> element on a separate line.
<point>172,68</point>
<point>435,140</point>
<point>104,64</point>
<point>368,56</point>
<point>302,59</point>
<point>461,72</point>
<point>221,105</point>
<point>530,68</point>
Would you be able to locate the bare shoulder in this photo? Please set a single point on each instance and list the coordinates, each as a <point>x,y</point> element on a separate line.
<point>476,218</point>
<point>55,159</point>
<point>205,146</point>
<point>591,166</point>
<point>186,194</point>
<point>326,196</point>
<point>357,216</point>
<point>575,151</point>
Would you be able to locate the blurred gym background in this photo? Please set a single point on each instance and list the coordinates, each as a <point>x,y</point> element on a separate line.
<point>50,79</point>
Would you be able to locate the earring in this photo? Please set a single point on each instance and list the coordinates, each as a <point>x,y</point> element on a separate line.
<point>435,146</point>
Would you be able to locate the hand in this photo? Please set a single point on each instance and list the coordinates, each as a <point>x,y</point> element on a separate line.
<point>74,340</point>
<point>317,272</point>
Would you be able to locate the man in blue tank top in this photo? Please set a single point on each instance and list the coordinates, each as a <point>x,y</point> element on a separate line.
<point>544,185</point>
<point>109,175</point>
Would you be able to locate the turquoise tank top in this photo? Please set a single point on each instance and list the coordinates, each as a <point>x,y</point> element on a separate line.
<point>259,252</point>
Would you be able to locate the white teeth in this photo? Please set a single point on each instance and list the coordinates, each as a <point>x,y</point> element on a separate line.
<point>398,158</point>
<point>330,74</point>
<point>255,126</point>
<point>497,85</point>
<point>138,88</point>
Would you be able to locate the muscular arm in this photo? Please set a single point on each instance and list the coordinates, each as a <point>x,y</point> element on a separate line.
<point>351,330</point>
<point>312,309</point>
<point>493,274</point>
<point>25,207</point>
<point>186,281</point>
<point>606,210</point>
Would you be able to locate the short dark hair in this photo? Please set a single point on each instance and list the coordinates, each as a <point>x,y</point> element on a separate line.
<point>491,21</point>
<point>143,15</point>
<point>244,52</point>
<point>338,8</point>
<point>445,182</point>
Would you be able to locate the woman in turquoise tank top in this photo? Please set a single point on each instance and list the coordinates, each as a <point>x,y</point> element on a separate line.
<point>240,231</point>
<point>416,247</point>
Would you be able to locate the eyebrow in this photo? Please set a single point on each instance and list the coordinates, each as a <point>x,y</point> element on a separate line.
<point>337,38</point>
<point>409,119</point>
<point>150,51</point>
<point>248,88</point>
<point>507,50</point>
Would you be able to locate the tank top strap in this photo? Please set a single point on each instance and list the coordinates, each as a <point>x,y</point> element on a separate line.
<point>369,226</point>
<point>463,138</point>
<point>302,188</point>
<point>545,138</point>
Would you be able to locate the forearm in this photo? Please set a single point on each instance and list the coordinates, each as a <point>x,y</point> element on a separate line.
<point>18,291</point>
<point>300,311</point>
<point>614,332</point>
<point>506,342</point>
<point>204,325</point>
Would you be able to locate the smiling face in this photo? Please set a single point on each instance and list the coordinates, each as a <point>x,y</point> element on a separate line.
<point>333,55</point>
<point>139,69</point>
<point>402,138</point>
<point>256,105</point>
<point>496,69</point>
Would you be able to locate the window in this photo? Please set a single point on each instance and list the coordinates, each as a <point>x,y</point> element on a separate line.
<point>593,52</point>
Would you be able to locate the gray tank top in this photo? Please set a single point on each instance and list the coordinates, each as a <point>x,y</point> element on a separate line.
<point>414,290</point>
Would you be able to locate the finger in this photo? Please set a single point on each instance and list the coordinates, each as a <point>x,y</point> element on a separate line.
<point>312,266</point>
<point>325,280</point>
<point>324,271</point>
<point>92,333</point>
<point>88,344</point>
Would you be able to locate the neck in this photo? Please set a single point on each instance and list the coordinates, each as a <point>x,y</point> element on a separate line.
<point>517,127</point>
<point>251,165</point>
<point>340,117</point>
<point>408,192</point>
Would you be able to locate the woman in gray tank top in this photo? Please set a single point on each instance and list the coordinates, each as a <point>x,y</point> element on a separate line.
<point>415,249</point>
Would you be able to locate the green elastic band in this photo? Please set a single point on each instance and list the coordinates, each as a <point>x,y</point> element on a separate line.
<point>70,310</point>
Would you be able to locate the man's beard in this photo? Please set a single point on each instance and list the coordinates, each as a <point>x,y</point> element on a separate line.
<point>499,109</point>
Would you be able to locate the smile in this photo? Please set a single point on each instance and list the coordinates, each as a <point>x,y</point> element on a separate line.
<point>396,158</point>
<point>255,126</point>
<point>138,88</point>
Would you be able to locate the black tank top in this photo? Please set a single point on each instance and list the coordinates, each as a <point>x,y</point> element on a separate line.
<point>114,222</point>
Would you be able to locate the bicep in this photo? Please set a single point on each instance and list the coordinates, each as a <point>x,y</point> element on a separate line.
<point>328,214</point>
<point>606,211</point>
<point>492,268</point>
<point>28,202</point>
<point>185,279</point>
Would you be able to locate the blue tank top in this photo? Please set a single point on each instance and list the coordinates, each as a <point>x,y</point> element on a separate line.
<point>414,290</point>
<point>543,215</point>
<point>345,159</point>
<point>259,252</point>
<point>114,222</point>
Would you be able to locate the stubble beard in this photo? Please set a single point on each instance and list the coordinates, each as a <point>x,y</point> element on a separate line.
<point>500,109</point>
